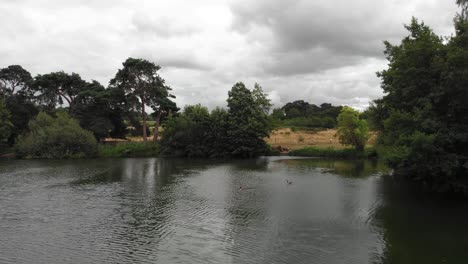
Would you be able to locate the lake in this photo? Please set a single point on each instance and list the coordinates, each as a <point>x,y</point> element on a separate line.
<point>200,211</point>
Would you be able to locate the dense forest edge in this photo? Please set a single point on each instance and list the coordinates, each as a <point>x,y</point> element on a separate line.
<point>421,122</point>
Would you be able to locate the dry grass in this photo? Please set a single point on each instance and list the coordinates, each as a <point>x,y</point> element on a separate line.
<point>285,137</point>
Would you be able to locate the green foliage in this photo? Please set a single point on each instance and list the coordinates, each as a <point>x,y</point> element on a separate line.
<point>422,118</point>
<point>140,82</point>
<point>304,115</point>
<point>248,121</point>
<point>22,111</point>
<point>99,111</point>
<point>238,132</point>
<point>15,80</point>
<point>347,153</point>
<point>187,134</point>
<point>129,149</point>
<point>351,129</point>
<point>57,88</point>
<point>60,137</point>
<point>6,127</point>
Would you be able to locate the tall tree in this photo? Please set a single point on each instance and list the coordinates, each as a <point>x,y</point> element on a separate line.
<point>424,127</point>
<point>14,79</point>
<point>248,121</point>
<point>351,129</point>
<point>142,85</point>
<point>56,88</point>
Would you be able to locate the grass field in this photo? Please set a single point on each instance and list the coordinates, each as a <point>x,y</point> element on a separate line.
<point>285,137</point>
<point>297,139</point>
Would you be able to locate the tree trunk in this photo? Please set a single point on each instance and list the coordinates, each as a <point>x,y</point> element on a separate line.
<point>156,128</point>
<point>143,115</point>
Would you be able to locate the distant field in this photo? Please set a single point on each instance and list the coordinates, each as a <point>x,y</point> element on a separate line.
<point>285,137</point>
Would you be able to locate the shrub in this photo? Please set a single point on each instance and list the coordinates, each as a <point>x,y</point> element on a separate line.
<point>60,137</point>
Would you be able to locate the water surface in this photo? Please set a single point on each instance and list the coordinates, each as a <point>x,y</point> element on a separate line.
<point>195,211</point>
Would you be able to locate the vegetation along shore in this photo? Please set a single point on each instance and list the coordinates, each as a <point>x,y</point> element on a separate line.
<point>419,127</point>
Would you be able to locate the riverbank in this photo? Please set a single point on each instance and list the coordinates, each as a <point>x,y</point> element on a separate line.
<point>128,149</point>
<point>330,152</point>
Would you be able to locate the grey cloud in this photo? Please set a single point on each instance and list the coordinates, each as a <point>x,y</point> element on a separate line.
<point>161,26</point>
<point>329,33</point>
<point>314,50</point>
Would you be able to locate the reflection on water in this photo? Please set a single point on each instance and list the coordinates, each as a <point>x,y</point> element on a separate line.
<point>193,211</point>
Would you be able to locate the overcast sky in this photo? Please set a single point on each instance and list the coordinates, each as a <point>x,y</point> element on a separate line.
<point>315,50</point>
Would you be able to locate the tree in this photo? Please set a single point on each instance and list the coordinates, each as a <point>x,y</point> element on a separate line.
<point>238,132</point>
<point>248,121</point>
<point>22,111</point>
<point>423,113</point>
<point>277,114</point>
<point>351,129</point>
<point>142,86</point>
<point>187,134</point>
<point>162,107</point>
<point>14,79</point>
<point>56,88</point>
<point>99,111</point>
<point>60,137</point>
<point>5,124</point>
<point>261,99</point>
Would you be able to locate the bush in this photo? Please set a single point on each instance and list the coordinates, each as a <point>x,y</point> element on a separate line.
<point>347,153</point>
<point>60,137</point>
<point>129,149</point>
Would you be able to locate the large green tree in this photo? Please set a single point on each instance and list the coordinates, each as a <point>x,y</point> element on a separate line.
<point>57,88</point>
<point>423,113</point>
<point>142,85</point>
<point>100,111</point>
<point>14,79</point>
<point>237,132</point>
<point>351,129</point>
<point>248,120</point>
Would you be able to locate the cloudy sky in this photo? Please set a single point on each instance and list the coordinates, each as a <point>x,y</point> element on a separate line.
<point>315,50</point>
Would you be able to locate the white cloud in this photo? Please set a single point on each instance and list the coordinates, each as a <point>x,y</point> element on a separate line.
<point>318,51</point>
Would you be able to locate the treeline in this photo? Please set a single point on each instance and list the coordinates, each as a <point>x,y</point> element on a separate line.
<point>64,98</point>
<point>423,117</point>
<point>305,115</point>
<point>238,131</point>
<point>60,115</point>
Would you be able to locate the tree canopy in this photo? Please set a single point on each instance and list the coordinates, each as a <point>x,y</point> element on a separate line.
<point>237,132</point>
<point>351,129</point>
<point>423,119</point>
<point>14,79</point>
<point>142,85</point>
<point>56,88</point>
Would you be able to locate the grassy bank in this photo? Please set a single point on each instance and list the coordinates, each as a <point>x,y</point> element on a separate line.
<point>129,149</point>
<point>298,139</point>
<point>330,152</point>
